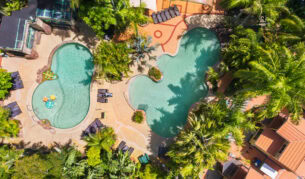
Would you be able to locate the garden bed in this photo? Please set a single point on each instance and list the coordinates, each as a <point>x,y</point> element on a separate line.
<point>155,74</point>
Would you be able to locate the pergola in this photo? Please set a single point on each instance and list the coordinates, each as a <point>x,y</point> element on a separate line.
<point>150,4</point>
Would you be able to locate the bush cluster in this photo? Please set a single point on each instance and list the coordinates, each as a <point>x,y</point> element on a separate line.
<point>154,73</point>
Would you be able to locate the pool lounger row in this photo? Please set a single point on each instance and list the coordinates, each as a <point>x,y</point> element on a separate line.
<point>102,91</point>
<point>124,148</point>
<point>165,14</point>
<point>95,126</point>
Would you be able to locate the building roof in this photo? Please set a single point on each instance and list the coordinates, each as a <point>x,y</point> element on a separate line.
<point>12,32</point>
<point>292,132</point>
<point>253,174</point>
<point>27,12</point>
<point>270,141</point>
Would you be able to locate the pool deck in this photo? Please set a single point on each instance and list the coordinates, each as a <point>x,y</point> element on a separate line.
<point>118,112</point>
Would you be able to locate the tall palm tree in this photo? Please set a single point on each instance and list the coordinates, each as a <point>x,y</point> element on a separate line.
<point>103,139</point>
<point>270,9</point>
<point>292,30</point>
<point>278,73</point>
<point>197,148</point>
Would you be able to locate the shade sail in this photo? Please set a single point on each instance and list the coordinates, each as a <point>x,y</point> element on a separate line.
<point>150,4</point>
<point>207,2</point>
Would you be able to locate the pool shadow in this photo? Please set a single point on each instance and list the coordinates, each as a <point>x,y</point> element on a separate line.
<point>89,66</point>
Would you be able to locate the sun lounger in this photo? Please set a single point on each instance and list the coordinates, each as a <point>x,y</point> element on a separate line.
<point>102,115</point>
<point>108,94</point>
<point>101,95</point>
<point>167,15</point>
<point>163,16</point>
<point>98,123</point>
<point>130,150</point>
<point>102,100</point>
<point>176,10</point>
<point>154,17</point>
<point>102,90</point>
<point>125,148</point>
<point>121,145</point>
<point>159,17</point>
<point>14,109</point>
<point>16,80</point>
<point>144,159</point>
<point>95,126</point>
<point>172,12</point>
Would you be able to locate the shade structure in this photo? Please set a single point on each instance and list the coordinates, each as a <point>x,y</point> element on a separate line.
<point>207,2</point>
<point>150,4</point>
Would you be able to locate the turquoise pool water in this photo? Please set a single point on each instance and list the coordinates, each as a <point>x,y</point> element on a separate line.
<point>73,63</point>
<point>167,103</point>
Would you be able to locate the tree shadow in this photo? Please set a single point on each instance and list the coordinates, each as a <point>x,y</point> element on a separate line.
<point>85,34</point>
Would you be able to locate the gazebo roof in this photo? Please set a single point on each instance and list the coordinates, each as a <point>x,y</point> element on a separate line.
<point>150,4</point>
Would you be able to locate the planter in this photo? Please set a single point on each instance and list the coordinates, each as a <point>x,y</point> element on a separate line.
<point>136,116</point>
<point>153,72</point>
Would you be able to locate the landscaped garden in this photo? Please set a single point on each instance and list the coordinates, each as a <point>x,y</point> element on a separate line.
<point>265,56</point>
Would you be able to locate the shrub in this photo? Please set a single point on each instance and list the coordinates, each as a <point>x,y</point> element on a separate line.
<point>5,83</point>
<point>138,117</point>
<point>154,73</point>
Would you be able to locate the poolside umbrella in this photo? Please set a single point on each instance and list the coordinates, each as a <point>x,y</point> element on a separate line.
<point>53,97</point>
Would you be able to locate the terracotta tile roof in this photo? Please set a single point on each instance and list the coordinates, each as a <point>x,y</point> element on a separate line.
<point>270,141</point>
<point>293,155</point>
<point>284,174</point>
<point>292,132</point>
<point>240,173</point>
<point>253,174</point>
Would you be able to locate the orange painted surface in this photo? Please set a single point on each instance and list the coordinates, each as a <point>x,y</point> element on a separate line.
<point>168,33</point>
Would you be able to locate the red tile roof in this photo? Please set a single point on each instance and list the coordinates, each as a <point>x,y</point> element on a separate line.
<point>253,174</point>
<point>291,132</point>
<point>270,141</point>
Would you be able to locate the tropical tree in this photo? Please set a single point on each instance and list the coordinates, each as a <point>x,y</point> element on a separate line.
<point>278,73</point>
<point>196,148</point>
<point>8,156</point>
<point>5,83</point>
<point>74,166</point>
<point>12,5</point>
<point>112,60</point>
<point>270,9</point>
<point>111,16</point>
<point>241,49</point>
<point>103,139</point>
<point>75,4</point>
<point>38,166</point>
<point>8,128</point>
<point>292,30</point>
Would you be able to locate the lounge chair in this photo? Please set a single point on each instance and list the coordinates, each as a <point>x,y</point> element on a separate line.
<point>102,100</point>
<point>14,108</point>
<point>108,94</point>
<point>101,95</point>
<point>176,10</point>
<point>159,17</point>
<point>167,14</point>
<point>163,16</point>
<point>102,90</point>
<point>121,145</point>
<point>98,123</point>
<point>95,126</point>
<point>172,12</point>
<point>154,17</point>
<point>130,150</point>
<point>16,80</point>
<point>125,148</point>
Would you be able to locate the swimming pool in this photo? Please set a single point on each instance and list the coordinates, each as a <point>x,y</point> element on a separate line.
<point>167,102</point>
<point>73,63</point>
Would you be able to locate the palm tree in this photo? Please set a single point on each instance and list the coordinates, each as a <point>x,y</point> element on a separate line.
<point>197,148</point>
<point>278,73</point>
<point>103,139</point>
<point>270,9</point>
<point>292,30</point>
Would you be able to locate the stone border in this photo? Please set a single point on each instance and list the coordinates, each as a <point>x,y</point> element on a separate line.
<point>92,105</point>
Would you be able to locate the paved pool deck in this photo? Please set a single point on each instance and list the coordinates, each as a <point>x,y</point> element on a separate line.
<point>118,111</point>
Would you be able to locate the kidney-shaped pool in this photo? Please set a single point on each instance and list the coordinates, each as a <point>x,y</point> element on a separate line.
<point>68,95</point>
